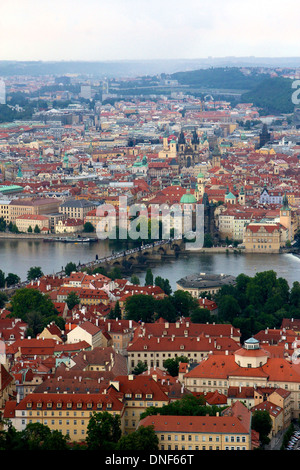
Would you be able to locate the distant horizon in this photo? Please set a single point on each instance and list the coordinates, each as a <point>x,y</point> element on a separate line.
<point>207,58</point>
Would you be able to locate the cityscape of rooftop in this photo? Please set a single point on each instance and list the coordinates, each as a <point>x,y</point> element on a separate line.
<point>150,228</point>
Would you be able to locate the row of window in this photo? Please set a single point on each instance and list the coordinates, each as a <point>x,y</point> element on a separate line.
<point>204,438</point>
<point>67,431</point>
<point>176,447</point>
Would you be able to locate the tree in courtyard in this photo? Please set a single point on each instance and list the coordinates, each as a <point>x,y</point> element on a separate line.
<point>115,312</point>
<point>172,365</point>
<point>140,307</point>
<point>31,300</point>
<point>143,439</point>
<point>164,308</point>
<point>72,300</point>
<point>262,423</point>
<point>139,368</point>
<point>184,303</point>
<point>103,431</point>
<point>38,436</point>
<point>200,315</point>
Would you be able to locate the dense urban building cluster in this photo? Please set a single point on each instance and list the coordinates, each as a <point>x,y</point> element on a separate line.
<point>83,148</point>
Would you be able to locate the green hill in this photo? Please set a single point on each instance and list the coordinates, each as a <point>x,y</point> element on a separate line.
<point>273,95</point>
<point>230,78</point>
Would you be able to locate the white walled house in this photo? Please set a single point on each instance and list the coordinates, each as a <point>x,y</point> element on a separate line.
<point>86,332</point>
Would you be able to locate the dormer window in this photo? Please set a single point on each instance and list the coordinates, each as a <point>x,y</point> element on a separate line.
<point>69,404</point>
<point>49,404</point>
<point>99,405</point>
<point>39,404</point>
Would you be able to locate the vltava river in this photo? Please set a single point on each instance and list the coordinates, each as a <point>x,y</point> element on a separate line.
<point>17,256</point>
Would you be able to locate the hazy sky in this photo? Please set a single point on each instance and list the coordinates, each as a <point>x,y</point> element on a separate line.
<point>152,29</point>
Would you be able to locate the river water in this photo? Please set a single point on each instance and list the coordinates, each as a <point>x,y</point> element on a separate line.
<point>17,256</point>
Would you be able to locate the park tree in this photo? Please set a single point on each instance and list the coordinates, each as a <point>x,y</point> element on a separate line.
<point>2,279</point>
<point>12,279</point>
<point>115,273</point>
<point>2,224</point>
<point>184,303</point>
<point>143,439</point>
<point>3,299</point>
<point>34,272</point>
<point>88,227</point>
<point>200,315</point>
<point>140,307</point>
<point>164,284</point>
<point>72,300</point>
<point>228,308</point>
<point>135,280</point>
<point>149,278</point>
<point>165,308</point>
<point>37,229</point>
<point>116,311</point>
<point>103,431</point>
<point>27,300</point>
<point>38,436</point>
<point>70,267</point>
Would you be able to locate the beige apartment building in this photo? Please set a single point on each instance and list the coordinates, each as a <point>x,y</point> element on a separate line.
<point>153,351</point>
<point>230,431</point>
<point>36,206</point>
<point>68,413</point>
<point>4,211</point>
<point>23,222</point>
<point>76,208</point>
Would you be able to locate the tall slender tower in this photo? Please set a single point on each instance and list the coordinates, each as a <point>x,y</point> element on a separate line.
<point>286,217</point>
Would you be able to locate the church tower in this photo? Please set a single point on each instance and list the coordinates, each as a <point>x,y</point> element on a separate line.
<point>200,188</point>
<point>195,141</point>
<point>181,142</point>
<point>216,157</point>
<point>286,217</point>
<point>241,197</point>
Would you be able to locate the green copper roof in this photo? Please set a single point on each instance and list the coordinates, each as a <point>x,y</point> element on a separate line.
<point>188,198</point>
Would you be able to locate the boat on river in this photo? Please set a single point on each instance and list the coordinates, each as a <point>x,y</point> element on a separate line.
<point>71,239</point>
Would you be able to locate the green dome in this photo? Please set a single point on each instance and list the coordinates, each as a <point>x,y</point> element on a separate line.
<point>188,198</point>
<point>201,175</point>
